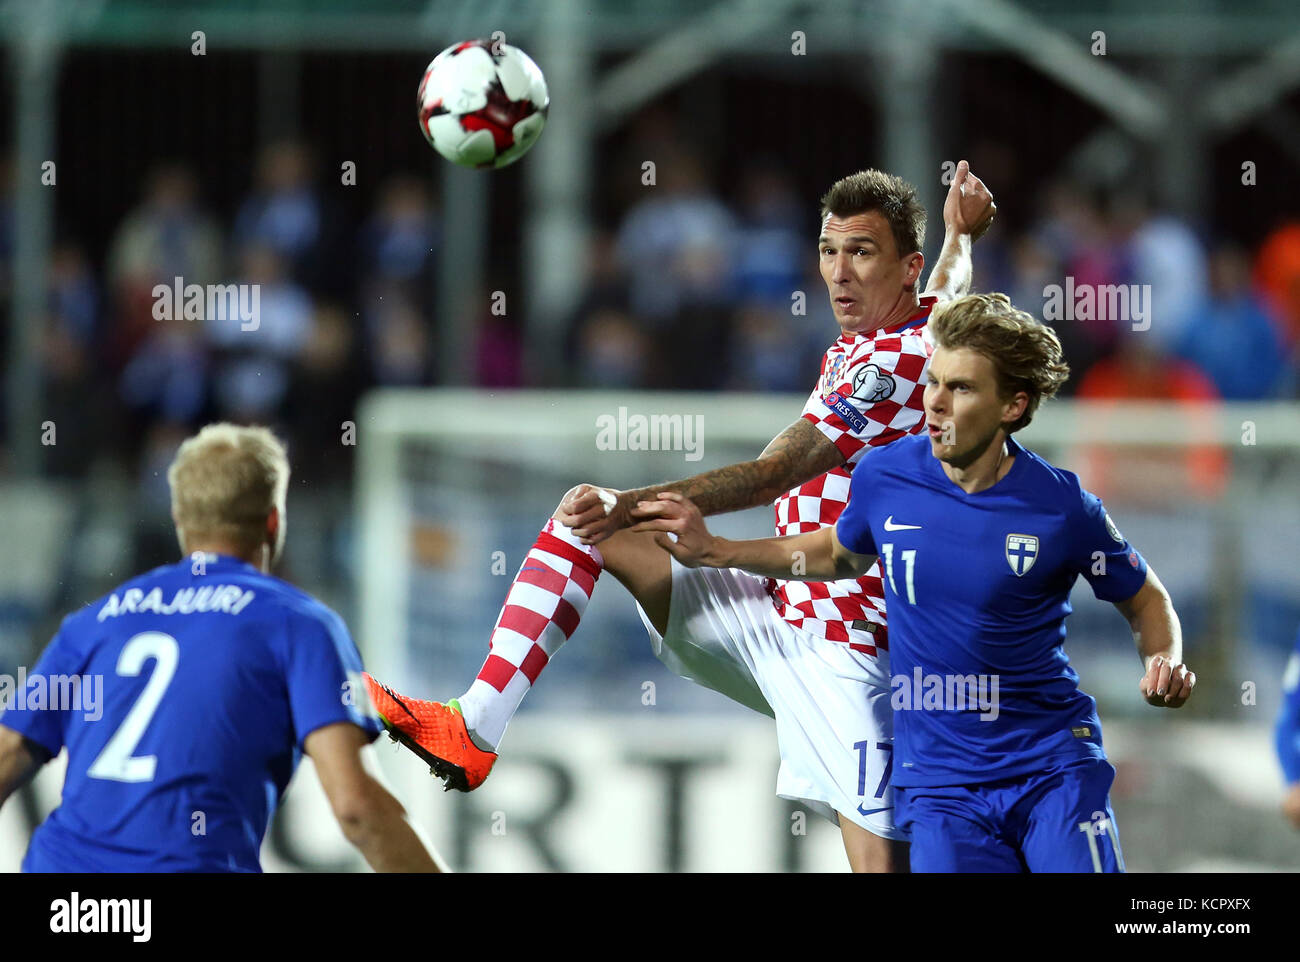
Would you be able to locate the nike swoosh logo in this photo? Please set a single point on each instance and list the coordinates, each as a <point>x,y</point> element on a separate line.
<point>890,526</point>
<point>872,811</point>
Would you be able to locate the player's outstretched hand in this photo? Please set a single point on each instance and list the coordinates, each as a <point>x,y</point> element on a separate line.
<point>1291,805</point>
<point>594,513</point>
<point>969,207</point>
<point>679,527</point>
<point>1165,684</point>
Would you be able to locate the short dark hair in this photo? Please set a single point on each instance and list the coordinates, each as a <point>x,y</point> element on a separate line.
<point>1025,352</point>
<point>893,197</point>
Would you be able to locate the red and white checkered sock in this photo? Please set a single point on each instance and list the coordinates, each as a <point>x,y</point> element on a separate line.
<point>542,608</point>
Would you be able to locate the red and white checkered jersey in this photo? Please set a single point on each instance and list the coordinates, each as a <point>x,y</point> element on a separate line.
<point>870,393</point>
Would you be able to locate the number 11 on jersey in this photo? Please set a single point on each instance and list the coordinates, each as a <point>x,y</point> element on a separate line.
<point>909,564</point>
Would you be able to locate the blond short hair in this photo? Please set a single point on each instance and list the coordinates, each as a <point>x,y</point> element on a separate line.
<point>1025,352</point>
<point>224,482</point>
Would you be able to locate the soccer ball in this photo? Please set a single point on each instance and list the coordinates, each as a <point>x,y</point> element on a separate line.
<point>482,103</point>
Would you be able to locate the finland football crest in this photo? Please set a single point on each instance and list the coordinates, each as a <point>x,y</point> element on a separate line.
<point>1112,530</point>
<point>871,384</point>
<point>1022,552</point>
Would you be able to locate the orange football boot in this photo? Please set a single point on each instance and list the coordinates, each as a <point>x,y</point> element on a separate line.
<point>435,732</point>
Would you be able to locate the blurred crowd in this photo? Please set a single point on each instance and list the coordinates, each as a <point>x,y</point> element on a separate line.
<point>688,287</point>
<point>688,268</point>
<point>338,309</point>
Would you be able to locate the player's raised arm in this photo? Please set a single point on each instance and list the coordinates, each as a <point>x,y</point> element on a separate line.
<point>1167,682</point>
<point>20,759</point>
<point>799,453</point>
<point>371,818</point>
<point>968,211</point>
<point>812,556</point>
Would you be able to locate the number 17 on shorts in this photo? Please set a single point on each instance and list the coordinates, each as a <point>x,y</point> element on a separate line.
<point>875,766</point>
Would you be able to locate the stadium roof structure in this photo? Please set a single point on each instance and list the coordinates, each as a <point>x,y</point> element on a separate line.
<point>1155,26</point>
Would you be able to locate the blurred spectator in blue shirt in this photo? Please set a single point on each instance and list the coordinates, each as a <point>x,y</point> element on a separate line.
<point>251,379</point>
<point>70,350</point>
<point>167,378</point>
<point>1080,242</point>
<point>397,340</point>
<point>74,295</point>
<point>1164,254</point>
<point>763,355</point>
<point>612,351</point>
<point>401,239</point>
<point>285,215</point>
<point>399,255</point>
<point>675,245</point>
<point>1232,337</point>
<point>771,248</point>
<point>167,236</point>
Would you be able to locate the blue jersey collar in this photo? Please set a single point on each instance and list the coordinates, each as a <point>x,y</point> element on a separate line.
<point>1014,449</point>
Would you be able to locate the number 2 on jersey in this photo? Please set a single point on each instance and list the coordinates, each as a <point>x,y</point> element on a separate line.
<point>115,762</point>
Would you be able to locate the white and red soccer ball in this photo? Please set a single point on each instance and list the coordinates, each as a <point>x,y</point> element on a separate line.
<point>482,103</point>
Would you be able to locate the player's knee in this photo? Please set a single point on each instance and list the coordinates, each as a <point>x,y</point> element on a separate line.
<point>629,554</point>
<point>879,858</point>
<point>870,853</point>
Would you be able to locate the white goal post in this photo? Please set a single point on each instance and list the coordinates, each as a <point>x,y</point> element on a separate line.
<point>509,451</point>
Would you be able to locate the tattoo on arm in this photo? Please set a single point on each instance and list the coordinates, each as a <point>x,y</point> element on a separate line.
<point>798,454</point>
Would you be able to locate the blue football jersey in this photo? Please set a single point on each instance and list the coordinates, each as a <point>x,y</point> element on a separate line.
<point>1287,730</point>
<point>977,590</point>
<point>199,682</point>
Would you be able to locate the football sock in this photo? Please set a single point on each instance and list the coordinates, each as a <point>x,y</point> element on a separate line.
<point>542,608</point>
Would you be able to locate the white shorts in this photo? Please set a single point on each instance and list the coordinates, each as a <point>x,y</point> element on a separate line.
<point>834,725</point>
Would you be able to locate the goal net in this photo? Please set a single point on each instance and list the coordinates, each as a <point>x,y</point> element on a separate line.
<point>454,485</point>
